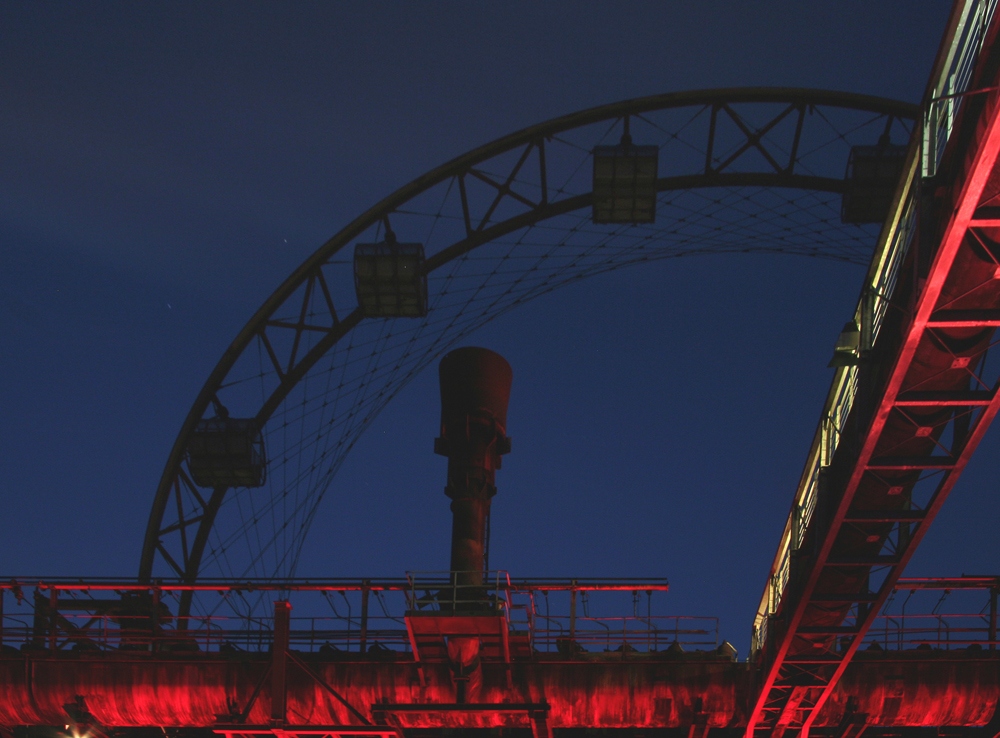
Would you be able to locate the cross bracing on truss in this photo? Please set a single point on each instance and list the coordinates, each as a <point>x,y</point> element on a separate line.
<point>741,171</point>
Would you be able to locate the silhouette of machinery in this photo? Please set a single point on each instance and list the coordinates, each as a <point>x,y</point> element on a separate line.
<point>473,649</point>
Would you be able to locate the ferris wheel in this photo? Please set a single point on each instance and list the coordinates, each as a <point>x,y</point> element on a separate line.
<point>790,171</point>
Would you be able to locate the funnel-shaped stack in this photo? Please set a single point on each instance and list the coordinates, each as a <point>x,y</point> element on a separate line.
<point>475,388</point>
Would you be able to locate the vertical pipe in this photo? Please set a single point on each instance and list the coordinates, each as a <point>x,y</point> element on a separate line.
<point>572,613</point>
<point>993,619</point>
<point>279,660</point>
<point>365,590</point>
<point>475,389</point>
<point>650,634</point>
<point>53,606</point>
<point>155,621</point>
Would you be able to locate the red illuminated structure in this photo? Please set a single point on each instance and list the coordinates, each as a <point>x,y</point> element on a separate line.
<point>118,666</point>
<point>840,647</point>
<point>903,419</point>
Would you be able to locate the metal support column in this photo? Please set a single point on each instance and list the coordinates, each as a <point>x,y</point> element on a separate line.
<point>993,619</point>
<point>572,613</point>
<point>53,606</point>
<point>279,661</point>
<point>365,592</point>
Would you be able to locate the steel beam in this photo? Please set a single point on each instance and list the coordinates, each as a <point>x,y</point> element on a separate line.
<point>279,661</point>
<point>837,552</point>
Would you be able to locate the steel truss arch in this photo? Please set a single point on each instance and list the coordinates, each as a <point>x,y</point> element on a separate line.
<point>770,132</point>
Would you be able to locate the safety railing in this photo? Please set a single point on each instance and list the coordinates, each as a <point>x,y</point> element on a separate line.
<point>449,591</point>
<point>218,633</point>
<point>952,82</point>
<point>930,614</point>
<point>338,618</point>
<point>937,615</point>
<point>869,316</point>
<point>946,631</point>
<point>625,634</point>
<point>951,79</point>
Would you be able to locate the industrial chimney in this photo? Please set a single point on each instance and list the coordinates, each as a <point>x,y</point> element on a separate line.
<point>475,388</point>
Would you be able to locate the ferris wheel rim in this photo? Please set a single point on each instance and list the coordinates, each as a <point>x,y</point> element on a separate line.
<point>803,97</point>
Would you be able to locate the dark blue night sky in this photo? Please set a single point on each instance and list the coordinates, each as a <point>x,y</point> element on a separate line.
<point>164,167</point>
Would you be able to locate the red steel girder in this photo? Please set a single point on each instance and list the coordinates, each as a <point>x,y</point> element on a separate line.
<point>333,731</point>
<point>791,697</point>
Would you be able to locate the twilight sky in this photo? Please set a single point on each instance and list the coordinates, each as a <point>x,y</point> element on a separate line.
<point>163,167</point>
